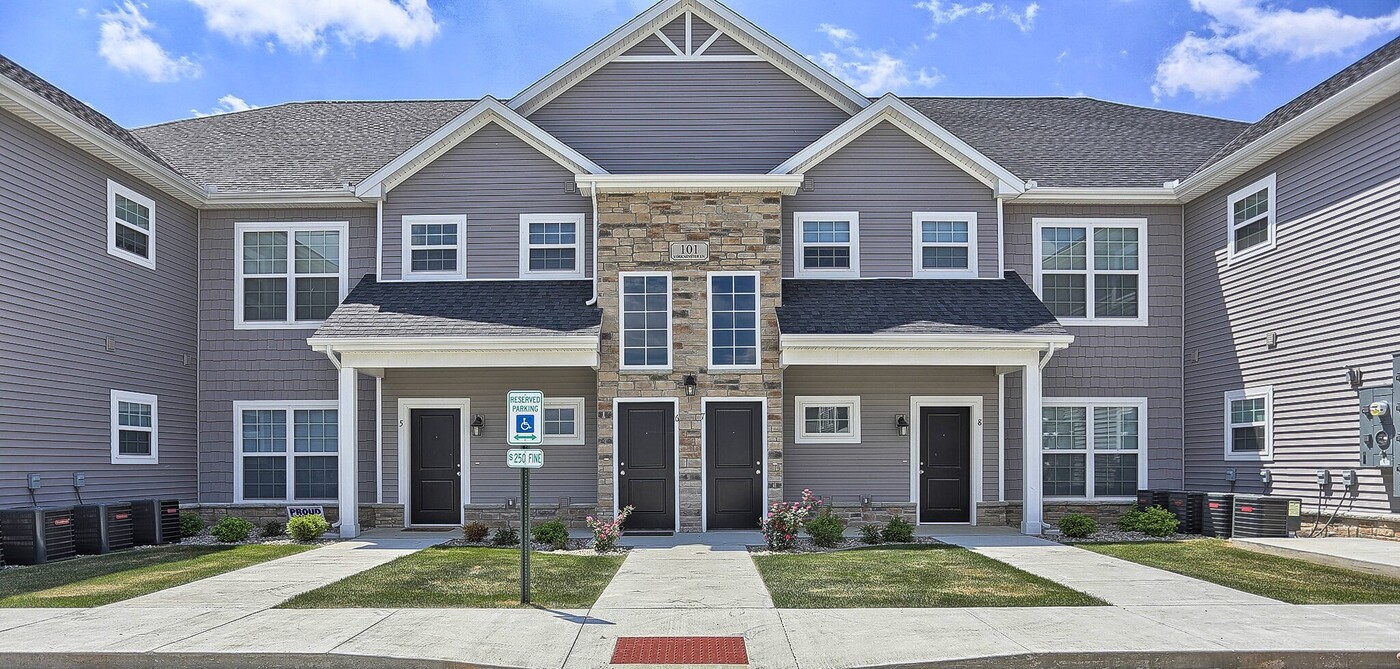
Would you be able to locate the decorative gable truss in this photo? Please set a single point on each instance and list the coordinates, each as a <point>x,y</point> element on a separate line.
<point>688,38</point>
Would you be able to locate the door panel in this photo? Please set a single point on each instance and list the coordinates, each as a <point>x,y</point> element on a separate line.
<point>435,466</point>
<point>646,464</point>
<point>734,451</point>
<point>945,473</point>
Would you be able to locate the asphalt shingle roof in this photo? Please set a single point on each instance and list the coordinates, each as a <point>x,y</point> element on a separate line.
<point>464,309</point>
<point>914,306</point>
<point>299,145</point>
<point>1079,142</point>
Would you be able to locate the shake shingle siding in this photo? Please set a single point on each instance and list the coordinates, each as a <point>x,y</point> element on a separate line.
<point>1327,290</point>
<point>62,299</point>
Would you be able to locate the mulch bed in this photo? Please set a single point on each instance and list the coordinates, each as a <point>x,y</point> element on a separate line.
<point>805,545</point>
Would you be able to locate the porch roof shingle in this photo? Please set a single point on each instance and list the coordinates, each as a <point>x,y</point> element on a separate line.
<point>972,307</point>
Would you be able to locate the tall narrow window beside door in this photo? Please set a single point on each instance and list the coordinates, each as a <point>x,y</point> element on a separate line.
<point>734,320</point>
<point>646,321</point>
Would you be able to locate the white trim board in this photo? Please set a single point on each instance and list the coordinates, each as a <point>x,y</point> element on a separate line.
<point>675,430</point>
<point>975,444</point>
<point>405,407</point>
<point>704,456</point>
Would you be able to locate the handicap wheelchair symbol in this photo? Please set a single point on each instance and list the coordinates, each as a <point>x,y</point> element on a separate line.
<point>526,426</point>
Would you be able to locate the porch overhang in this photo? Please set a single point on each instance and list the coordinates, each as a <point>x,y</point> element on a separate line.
<point>920,349</point>
<point>377,353</point>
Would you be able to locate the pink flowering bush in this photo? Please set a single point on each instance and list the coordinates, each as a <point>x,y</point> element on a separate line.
<point>607,532</point>
<point>785,519</point>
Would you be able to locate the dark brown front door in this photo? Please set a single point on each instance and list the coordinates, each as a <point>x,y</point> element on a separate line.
<point>435,466</point>
<point>733,465</point>
<point>944,469</point>
<point>646,464</point>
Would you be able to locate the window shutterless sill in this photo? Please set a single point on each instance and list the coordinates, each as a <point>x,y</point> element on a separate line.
<point>259,325</point>
<point>644,370</point>
<point>1102,322</point>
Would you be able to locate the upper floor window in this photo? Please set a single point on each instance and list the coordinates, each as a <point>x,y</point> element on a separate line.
<point>1249,424</point>
<point>551,246</point>
<point>646,320</point>
<point>827,244</point>
<point>287,451</point>
<point>1253,219</point>
<point>1092,271</point>
<point>563,420</point>
<point>134,428</point>
<point>734,319</point>
<point>1093,447</point>
<point>945,244</point>
<point>433,247</point>
<point>131,225</point>
<point>288,275</point>
<point>827,420</point>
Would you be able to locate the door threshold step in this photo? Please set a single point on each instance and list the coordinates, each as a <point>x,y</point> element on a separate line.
<point>648,533</point>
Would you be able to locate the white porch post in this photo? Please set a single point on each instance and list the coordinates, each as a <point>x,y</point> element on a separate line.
<point>349,486</point>
<point>1032,509</point>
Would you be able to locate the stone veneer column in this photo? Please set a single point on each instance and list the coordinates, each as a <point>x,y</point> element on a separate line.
<point>744,231</point>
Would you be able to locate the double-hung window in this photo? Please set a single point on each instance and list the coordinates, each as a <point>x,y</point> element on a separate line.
<point>563,421</point>
<point>1253,218</point>
<point>734,320</point>
<point>135,428</point>
<point>288,275</point>
<point>1092,271</point>
<point>434,247</point>
<point>131,225</point>
<point>646,320</point>
<point>827,244</point>
<point>1249,424</point>
<point>827,420</point>
<point>286,451</point>
<point>1093,447</point>
<point>945,244</point>
<point>551,246</point>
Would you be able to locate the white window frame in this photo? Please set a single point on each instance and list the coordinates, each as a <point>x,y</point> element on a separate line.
<point>118,458</point>
<point>1089,404</point>
<point>407,247</point>
<point>113,190</point>
<point>580,429</point>
<point>525,246</point>
<point>1254,392</point>
<point>801,272</point>
<point>343,227</point>
<point>1270,182</point>
<point>670,325</point>
<point>1089,224</point>
<point>291,407</point>
<point>710,322</point>
<point>799,430</point>
<point>969,217</point>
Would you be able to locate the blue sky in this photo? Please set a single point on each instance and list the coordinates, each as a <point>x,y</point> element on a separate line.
<point>146,62</point>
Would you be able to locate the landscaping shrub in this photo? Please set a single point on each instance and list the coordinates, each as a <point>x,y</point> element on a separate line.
<point>274,528</point>
<point>785,520</point>
<point>231,530</point>
<point>607,532</point>
<point>898,531</point>
<point>826,529</point>
<point>1154,522</point>
<point>190,523</point>
<point>506,536</point>
<point>308,528</point>
<point>870,534</point>
<point>1077,526</point>
<point>475,532</point>
<point>554,533</point>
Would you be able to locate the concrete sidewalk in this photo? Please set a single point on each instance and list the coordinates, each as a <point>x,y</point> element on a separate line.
<point>1373,556</point>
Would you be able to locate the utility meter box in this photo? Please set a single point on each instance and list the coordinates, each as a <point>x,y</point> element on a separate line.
<point>1378,421</point>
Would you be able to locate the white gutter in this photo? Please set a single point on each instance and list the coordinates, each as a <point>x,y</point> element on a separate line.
<point>593,195</point>
<point>786,184</point>
<point>1050,353</point>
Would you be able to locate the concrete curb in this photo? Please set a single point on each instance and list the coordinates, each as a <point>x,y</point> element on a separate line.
<point>221,661</point>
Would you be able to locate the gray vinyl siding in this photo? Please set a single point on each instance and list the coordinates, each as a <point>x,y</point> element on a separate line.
<point>886,176</point>
<point>1325,289</point>
<point>244,365</point>
<point>878,466</point>
<point>492,177</point>
<point>1113,361</point>
<point>688,117</point>
<point>62,296</point>
<point>570,471</point>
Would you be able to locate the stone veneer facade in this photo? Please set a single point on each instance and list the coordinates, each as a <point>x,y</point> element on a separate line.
<point>744,231</point>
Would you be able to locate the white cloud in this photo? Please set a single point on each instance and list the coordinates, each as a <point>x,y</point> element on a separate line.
<point>836,34</point>
<point>1217,65</point>
<point>305,25</point>
<point>942,13</point>
<point>870,71</point>
<point>228,103</point>
<point>124,44</point>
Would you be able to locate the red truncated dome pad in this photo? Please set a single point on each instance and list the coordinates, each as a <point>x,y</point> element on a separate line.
<point>680,650</point>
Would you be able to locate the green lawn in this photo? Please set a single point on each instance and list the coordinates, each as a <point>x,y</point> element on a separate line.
<point>1284,579</point>
<point>468,577</point>
<point>917,576</point>
<point>102,579</point>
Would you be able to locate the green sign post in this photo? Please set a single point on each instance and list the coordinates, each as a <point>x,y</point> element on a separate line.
<point>526,411</point>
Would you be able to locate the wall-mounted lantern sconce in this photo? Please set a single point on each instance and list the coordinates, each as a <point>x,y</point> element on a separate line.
<point>901,423</point>
<point>477,424</point>
<point>690,385</point>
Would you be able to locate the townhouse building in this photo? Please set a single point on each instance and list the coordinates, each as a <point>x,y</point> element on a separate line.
<point>732,276</point>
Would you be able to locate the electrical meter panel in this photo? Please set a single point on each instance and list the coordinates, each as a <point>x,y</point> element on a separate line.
<point>1378,421</point>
